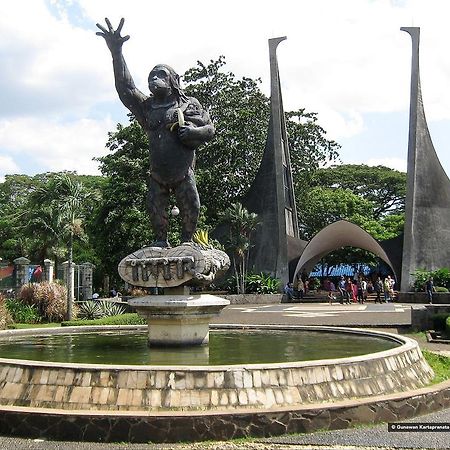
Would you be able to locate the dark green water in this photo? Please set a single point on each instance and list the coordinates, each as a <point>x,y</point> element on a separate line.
<point>225,347</point>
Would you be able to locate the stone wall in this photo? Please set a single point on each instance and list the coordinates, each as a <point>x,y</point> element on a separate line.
<point>175,427</point>
<point>422,315</point>
<point>439,298</point>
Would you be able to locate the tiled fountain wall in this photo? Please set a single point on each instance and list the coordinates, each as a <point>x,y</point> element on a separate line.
<point>224,388</point>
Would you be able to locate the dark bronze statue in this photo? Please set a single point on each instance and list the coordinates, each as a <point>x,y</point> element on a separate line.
<point>175,125</point>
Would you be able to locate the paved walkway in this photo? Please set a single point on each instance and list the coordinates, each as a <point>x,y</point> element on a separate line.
<point>390,317</point>
<point>375,315</point>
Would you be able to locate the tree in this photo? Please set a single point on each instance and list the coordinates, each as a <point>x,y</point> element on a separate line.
<point>241,224</point>
<point>227,166</point>
<point>371,197</point>
<point>122,223</point>
<point>14,194</point>
<point>385,188</point>
<point>63,199</point>
<point>322,206</point>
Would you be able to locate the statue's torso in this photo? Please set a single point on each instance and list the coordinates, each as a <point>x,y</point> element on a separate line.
<point>170,158</point>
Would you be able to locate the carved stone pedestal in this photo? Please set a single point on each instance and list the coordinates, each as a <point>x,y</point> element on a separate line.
<point>178,320</point>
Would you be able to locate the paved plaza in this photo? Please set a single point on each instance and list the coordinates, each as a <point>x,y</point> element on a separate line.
<point>368,314</point>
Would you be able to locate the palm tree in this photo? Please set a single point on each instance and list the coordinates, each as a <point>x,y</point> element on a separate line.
<point>241,225</point>
<point>63,199</point>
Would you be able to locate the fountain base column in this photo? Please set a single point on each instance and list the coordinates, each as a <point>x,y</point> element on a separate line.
<point>178,320</point>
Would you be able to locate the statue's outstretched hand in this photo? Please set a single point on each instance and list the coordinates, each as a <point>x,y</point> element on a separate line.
<point>113,38</point>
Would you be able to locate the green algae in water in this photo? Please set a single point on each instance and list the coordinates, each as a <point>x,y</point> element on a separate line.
<point>225,347</point>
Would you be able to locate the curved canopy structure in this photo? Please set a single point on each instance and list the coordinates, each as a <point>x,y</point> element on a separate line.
<point>339,234</point>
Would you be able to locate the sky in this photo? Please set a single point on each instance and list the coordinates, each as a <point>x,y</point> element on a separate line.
<point>346,60</point>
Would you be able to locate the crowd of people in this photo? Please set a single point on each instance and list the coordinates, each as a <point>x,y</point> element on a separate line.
<point>357,289</point>
<point>347,290</point>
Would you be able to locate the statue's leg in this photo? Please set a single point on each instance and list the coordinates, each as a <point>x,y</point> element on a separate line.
<point>158,202</point>
<point>188,202</point>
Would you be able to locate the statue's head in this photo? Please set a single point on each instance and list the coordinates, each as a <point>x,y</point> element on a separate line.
<point>163,81</point>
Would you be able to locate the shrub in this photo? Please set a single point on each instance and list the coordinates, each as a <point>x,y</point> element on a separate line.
<point>262,284</point>
<point>439,321</point>
<point>122,319</point>
<point>89,310</point>
<point>447,326</point>
<point>22,313</point>
<point>314,283</point>
<point>441,289</point>
<point>5,316</point>
<point>441,277</point>
<point>49,298</point>
<point>111,309</point>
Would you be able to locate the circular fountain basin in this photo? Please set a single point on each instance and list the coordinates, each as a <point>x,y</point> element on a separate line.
<point>226,347</point>
<point>177,402</point>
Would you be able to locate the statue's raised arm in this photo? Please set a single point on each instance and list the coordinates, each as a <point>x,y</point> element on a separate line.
<point>129,94</point>
<point>113,39</point>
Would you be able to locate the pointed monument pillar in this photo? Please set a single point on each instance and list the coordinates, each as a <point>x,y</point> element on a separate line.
<point>426,242</point>
<point>271,195</point>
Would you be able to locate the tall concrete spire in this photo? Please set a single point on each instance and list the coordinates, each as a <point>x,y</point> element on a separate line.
<point>271,195</point>
<point>426,242</point>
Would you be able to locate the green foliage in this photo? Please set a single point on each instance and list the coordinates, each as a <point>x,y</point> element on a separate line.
<point>241,224</point>
<point>122,223</point>
<point>323,206</point>
<point>91,309</point>
<point>383,187</point>
<point>21,312</point>
<point>31,223</point>
<point>370,197</point>
<point>441,278</point>
<point>314,283</point>
<point>439,321</point>
<point>440,365</point>
<point>109,309</point>
<point>49,299</point>
<point>262,284</point>
<point>122,319</point>
<point>441,289</point>
<point>447,326</point>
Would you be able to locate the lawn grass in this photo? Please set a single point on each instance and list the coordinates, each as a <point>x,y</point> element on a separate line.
<point>22,326</point>
<point>440,365</point>
<point>122,319</point>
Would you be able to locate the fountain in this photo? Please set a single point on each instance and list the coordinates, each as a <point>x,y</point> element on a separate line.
<point>167,403</point>
<point>94,401</point>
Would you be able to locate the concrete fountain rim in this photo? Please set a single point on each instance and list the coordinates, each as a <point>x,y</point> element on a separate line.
<point>405,345</point>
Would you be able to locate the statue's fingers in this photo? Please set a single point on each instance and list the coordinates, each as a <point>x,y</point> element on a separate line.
<point>111,29</point>
<point>100,34</point>
<point>125,38</point>
<point>119,28</point>
<point>101,28</point>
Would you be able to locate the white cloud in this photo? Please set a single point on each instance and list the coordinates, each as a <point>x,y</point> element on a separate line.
<point>57,146</point>
<point>393,163</point>
<point>342,59</point>
<point>7,166</point>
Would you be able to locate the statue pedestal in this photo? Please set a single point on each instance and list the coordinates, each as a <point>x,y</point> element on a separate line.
<point>178,320</point>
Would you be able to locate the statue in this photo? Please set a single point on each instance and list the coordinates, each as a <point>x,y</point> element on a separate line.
<point>175,125</point>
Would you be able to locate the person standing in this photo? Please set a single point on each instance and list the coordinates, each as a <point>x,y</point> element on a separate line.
<point>378,288</point>
<point>387,289</point>
<point>429,289</point>
<point>342,291</point>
